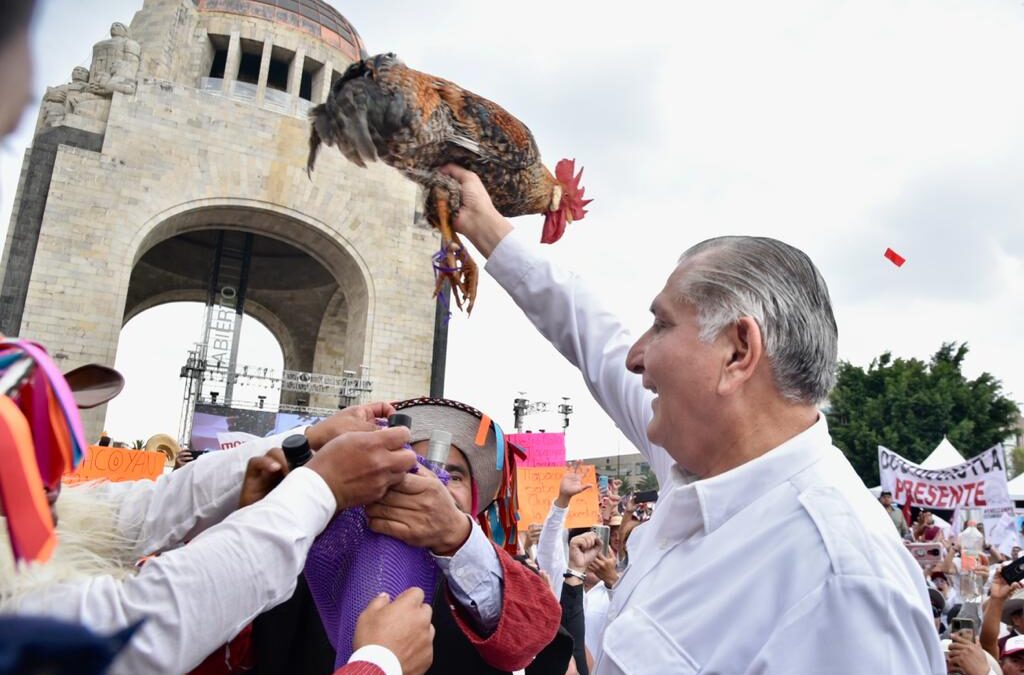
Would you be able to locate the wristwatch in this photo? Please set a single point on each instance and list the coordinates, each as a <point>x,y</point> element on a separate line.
<point>574,573</point>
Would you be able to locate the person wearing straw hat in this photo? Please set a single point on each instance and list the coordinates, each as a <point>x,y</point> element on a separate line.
<point>497,614</point>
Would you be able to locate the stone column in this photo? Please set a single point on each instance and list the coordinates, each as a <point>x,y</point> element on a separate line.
<point>322,83</point>
<point>261,87</point>
<point>295,77</point>
<point>232,62</point>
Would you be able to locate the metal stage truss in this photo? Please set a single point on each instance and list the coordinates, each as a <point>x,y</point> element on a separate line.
<point>199,373</point>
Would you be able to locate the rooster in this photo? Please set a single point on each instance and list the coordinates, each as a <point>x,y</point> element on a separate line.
<point>380,109</point>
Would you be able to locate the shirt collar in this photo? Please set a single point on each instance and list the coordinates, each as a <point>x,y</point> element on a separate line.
<point>719,498</point>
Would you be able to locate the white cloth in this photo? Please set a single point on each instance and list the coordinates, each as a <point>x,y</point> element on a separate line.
<point>595,615</point>
<point>551,547</point>
<point>380,656</point>
<point>786,564</point>
<point>475,578</point>
<point>195,598</point>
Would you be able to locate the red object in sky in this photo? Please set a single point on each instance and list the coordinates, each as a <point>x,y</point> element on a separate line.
<point>894,257</point>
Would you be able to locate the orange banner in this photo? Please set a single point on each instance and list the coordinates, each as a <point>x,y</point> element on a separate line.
<point>538,487</point>
<point>117,464</point>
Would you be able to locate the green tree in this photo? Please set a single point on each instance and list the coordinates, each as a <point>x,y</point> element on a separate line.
<point>1016,462</point>
<point>907,405</point>
<point>648,481</point>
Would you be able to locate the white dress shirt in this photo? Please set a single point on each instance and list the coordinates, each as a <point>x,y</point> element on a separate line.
<point>785,564</point>
<point>192,599</point>
<point>475,578</point>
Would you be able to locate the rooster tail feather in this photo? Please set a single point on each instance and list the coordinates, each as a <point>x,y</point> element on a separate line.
<point>351,117</point>
<point>314,139</point>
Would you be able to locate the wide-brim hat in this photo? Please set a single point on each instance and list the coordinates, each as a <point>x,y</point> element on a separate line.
<point>164,443</point>
<point>93,385</point>
<point>474,433</point>
<point>1012,606</point>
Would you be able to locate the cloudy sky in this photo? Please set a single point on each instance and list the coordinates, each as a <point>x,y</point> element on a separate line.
<point>840,127</point>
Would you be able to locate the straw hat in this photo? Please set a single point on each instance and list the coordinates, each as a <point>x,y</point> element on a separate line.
<point>464,423</point>
<point>165,444</point>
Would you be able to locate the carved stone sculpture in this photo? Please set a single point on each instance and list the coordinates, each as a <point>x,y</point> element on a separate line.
<point>59,101</point>
<point>115,67</point>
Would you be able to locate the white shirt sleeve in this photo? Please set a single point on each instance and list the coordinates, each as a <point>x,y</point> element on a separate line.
<point>177,506</point>
<point>475,578</point>
<point>195,598</point>
<point>380,656</point>
<point>862,626</point>
<point>551,547</point>
<point>591,338</point>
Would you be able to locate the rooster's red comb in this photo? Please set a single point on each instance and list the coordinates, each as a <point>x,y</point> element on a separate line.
<point>572,193</point>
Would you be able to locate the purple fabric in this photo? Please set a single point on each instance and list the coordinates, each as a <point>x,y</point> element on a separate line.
<point>349,565</point>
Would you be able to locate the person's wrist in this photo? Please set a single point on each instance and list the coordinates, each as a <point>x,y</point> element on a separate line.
<point>489,232</point>
<point>455,536</point>
<point>562,501</point>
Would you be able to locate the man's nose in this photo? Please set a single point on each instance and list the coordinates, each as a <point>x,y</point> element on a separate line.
<point>635,357</point>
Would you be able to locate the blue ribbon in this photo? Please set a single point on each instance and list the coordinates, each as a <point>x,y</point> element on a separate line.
<point>499,437</point>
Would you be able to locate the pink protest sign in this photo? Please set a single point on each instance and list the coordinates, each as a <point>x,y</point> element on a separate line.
<point>541,449</point>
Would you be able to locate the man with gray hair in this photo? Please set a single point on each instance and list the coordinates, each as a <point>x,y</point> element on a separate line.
<point>764,537</point>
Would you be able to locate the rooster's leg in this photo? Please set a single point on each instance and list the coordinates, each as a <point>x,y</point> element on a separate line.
<point>449,244</point>
<point>470,275</point>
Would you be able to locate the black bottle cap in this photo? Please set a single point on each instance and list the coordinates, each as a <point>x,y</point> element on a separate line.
<point>296,450</point>
<point>400,420</point>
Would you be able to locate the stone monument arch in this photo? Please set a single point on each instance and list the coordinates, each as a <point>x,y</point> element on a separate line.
<point>190,128</point>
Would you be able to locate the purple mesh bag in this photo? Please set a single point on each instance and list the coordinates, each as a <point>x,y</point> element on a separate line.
<point>349,565</point>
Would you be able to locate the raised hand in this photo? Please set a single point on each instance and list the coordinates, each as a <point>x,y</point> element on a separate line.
<point>1001,590</point>
<point>967,656</point>
<point>583,550</point>
<point>353,418</point>
<point>360,466</point>
<point>572,484</point>
<point>604,567</point>
<point>477,218</point>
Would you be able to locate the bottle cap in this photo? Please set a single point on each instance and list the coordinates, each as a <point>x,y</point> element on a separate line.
<point>400,420</point>
<point>296,450</point>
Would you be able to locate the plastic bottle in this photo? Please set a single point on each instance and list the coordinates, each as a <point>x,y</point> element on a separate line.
<point>439,446</point>
<point>972,544</point>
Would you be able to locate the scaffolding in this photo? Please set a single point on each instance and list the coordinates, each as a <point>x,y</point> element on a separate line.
<point>350,387</point>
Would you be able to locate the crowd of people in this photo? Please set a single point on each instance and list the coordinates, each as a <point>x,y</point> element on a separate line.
<point>978,607</point>
<point>764,554</point>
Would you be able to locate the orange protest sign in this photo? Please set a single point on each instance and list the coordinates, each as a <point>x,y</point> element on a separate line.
<point>117,464</point>
<point>538,487</point>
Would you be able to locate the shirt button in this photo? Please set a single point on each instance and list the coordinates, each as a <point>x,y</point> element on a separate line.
<point>663,543</point>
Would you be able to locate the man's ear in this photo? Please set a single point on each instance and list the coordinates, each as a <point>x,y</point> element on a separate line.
<point>743,349</point>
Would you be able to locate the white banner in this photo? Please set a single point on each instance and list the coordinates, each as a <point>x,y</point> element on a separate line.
<point>980,482</point>
<point>232,439</point>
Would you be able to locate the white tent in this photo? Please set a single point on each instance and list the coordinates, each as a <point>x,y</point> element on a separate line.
<point>1016,488</point>
<point>944,455</point>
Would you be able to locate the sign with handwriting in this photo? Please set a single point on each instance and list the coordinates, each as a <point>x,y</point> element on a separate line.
<point>117,464</point>
<point>538,487</point>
